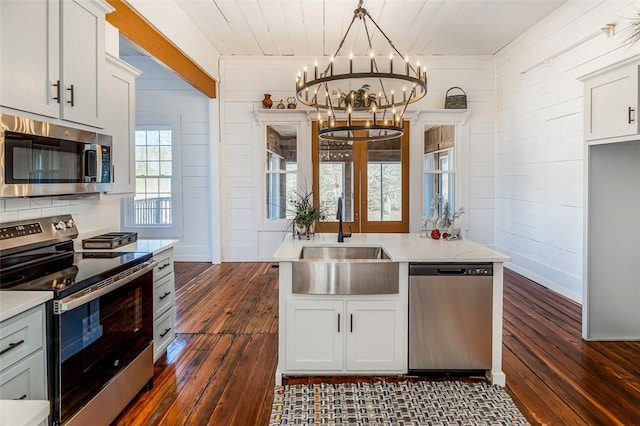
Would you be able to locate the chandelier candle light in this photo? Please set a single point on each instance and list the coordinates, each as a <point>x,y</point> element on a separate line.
<point>377,97</point>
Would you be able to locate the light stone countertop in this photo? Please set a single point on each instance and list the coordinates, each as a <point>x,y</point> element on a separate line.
<point>23,412</point>
<point>143,245</point>
<point>399,247</point>
<point>13,303</point>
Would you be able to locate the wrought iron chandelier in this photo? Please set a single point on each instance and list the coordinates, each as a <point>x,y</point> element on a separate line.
<point>372,98</point>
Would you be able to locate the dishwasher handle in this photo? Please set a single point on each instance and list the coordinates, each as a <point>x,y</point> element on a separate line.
<point>450,269</point>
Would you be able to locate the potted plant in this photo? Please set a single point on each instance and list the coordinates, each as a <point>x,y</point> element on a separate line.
<point>360,98</point>
<point>305,213</point>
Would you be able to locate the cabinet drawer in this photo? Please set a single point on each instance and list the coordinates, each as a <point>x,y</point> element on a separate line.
<point>163,333</point>
<point>20,336</point>
<point>163,294</point>
<point>165,264</point>
<point>25,380</point>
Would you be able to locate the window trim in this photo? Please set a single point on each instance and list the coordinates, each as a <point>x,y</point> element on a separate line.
<point>154,121</point>
<point>299,119</point>
<point>438,117</point>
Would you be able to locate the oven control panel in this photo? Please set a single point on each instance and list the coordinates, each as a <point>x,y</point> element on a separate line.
<point>23,234</point>
<point>7,232</point>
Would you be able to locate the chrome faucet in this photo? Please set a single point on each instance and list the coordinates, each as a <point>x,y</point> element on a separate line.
<point>341,235</point>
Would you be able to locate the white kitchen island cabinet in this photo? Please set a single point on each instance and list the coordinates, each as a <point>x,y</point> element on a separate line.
<point>344,336</point>
<point>53,58</point>
<point>367,334</point>
<point>611,103</point>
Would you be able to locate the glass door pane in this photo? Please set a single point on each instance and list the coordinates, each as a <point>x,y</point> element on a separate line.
<point>384,181</point>
<point>336,178</point>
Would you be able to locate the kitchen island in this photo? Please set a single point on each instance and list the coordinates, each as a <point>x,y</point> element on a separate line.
<point>342,333</point>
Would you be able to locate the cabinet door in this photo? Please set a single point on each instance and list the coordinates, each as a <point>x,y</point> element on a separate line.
<point>120,124</point>
<point>29,54</point>
<point>83,62</point>
<point>315,335</point>
<point>375,338</point>
<point>612,103</point>
<point>26,379</point>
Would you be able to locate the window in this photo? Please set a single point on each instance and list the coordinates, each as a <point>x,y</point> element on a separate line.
<point>152,204</point>
<point>439,170</point>
<point>281,170</point>
<point>155,210</point>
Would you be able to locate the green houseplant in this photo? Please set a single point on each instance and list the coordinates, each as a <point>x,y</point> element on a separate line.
<point>305,213</point>
<point>360,98</point>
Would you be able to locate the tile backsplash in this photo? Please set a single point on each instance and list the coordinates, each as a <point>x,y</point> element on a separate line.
<point>89,214</point>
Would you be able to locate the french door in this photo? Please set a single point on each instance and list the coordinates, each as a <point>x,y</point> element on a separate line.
<point>372,177</point>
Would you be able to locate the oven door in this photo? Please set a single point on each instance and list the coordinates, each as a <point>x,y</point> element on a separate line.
<point>97,335</point>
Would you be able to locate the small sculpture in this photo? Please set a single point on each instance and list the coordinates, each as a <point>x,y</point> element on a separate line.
<point>280,105</point>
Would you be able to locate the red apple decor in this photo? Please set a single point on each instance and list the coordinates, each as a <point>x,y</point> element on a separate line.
<point>444,235</point>
<point>435,234</point>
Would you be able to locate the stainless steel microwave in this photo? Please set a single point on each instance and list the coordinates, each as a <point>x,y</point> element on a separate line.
<point>38,158</point>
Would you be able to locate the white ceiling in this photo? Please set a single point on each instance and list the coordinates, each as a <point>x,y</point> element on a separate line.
<point>315,27</point>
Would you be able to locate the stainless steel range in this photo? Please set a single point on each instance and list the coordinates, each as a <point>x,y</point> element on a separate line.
<point>101,317</point>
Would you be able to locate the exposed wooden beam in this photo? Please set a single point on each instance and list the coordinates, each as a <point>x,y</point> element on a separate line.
<point>138,30</point>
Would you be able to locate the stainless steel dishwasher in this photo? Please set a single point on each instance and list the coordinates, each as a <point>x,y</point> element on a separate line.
<point>450,311</point>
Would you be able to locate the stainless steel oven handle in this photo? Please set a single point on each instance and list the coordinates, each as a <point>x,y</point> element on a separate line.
<point>73,301</point>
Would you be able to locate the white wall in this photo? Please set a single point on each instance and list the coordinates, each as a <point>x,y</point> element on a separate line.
<point>539,141</point>
<point>246,236</point>
<point>160,92</point>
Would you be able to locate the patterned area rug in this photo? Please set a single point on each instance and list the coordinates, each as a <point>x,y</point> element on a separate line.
<point>403,403</point>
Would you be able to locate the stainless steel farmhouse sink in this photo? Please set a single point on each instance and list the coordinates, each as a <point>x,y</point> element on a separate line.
<point>344,270</point>
<point>342,253</point>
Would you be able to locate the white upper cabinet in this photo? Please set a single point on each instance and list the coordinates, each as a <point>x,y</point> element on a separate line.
<point>611,103</point>
<point>120,123</point>
<point>53,58</point>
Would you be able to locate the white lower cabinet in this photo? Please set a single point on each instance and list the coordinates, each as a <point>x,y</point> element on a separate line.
<point>163,303</point>
<point>315,335</point>
<point>23,373</point>
<point>375,339</point>
<point>338,335</point>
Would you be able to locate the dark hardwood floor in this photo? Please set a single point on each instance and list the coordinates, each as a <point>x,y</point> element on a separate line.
<point>220,369</point>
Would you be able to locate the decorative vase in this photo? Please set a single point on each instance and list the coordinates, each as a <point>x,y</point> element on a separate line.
<point>301,230</point>
<point>267,102</point>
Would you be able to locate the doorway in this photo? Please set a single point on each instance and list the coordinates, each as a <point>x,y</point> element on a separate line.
<point>372,177</point>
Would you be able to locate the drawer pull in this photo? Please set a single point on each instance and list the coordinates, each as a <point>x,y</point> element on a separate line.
<point>165,295</point>
<point>630,116</point>
<point>71,89</point>
<point>164,265</point>
<point>11,346</point>
<point>338,323</point>
<point>166,331</point>
<point>21,398</point>
<point>57,86</point>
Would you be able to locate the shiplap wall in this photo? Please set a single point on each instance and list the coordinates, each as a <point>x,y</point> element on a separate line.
<point>539,141</point>
<point>159,91</point>
<point>247,236</point>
